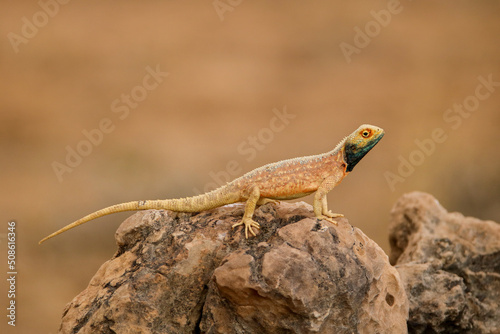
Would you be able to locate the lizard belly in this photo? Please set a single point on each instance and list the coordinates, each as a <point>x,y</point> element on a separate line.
<point>294,196</point>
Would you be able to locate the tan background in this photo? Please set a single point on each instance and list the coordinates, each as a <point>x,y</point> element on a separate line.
<point>225,79</point>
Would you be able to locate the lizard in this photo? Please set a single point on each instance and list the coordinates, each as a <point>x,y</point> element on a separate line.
<point>282,180</point>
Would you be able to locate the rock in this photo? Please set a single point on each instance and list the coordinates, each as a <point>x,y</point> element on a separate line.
<point>190,273</point>
<point>450,265</point>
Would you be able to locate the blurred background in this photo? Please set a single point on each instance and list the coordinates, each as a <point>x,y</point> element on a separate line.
<point>170,92</point>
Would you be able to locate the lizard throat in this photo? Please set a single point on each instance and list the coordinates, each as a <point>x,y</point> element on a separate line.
<point>353,154</point>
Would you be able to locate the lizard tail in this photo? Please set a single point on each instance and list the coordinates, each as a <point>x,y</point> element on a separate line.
<point>210,200</point>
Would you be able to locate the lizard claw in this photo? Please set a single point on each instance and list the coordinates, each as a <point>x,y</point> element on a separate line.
<point>249,223</point>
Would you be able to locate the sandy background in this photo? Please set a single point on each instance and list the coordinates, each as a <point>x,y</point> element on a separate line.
<point>227,73</point>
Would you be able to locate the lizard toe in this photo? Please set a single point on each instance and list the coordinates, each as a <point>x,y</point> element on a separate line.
<point>264,201</point>
<point>330,214</point>
<point>330,219</point>
<point>249,224</point>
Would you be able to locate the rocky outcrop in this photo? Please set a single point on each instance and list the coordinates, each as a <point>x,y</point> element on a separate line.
<point>190,273</point>
<point>450,265</point>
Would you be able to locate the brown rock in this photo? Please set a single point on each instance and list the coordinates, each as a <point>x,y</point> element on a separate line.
<point>190,273</point>
<point>450,265</point>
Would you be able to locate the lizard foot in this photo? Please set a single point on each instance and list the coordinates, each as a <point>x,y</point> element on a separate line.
<point>264,201</point>
<point>249,223</point>
<point>333,215</point>
<point>329,216</point>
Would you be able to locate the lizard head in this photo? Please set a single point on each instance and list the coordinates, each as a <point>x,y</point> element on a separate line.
<point>359,143</point>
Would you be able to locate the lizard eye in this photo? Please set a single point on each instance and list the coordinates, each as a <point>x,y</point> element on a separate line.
<point>366,133</point>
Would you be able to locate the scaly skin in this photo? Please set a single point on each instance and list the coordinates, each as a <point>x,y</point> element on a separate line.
<point>286,179</point>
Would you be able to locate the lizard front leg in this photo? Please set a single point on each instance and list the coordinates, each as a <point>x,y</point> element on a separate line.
<point>320,204</point>
<point>326,212</point>
<point>247,220</point>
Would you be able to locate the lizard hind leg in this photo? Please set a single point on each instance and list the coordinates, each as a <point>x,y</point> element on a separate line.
<point>250,205</point>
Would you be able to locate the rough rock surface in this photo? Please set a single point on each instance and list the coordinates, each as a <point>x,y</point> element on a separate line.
<point>450,265</point>
<point>190,273</point>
